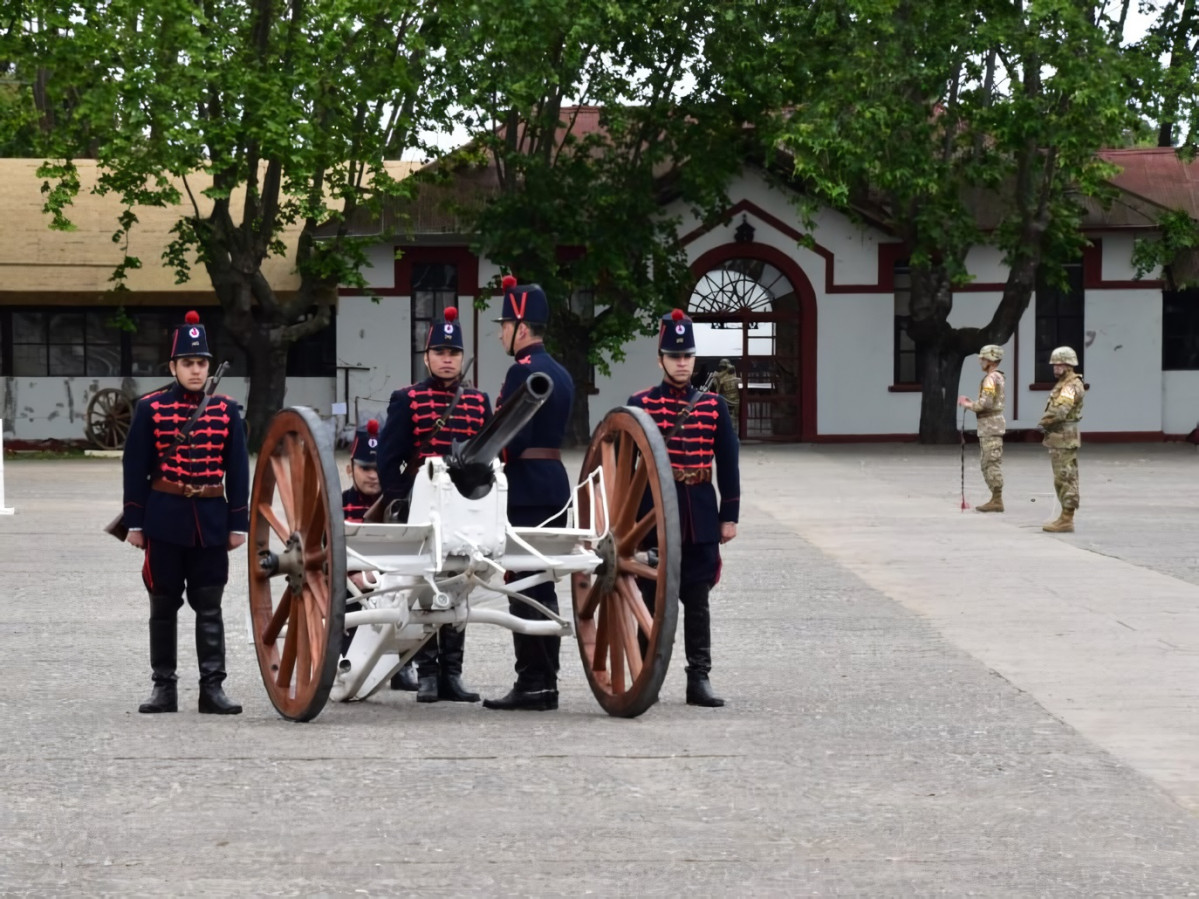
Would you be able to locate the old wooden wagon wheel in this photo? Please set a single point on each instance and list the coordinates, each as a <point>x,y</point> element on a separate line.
<point>625,641</point>
<point>109,413</point>
<point>297,563</point>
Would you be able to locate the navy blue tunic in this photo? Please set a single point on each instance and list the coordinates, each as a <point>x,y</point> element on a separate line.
<point>538,482</point>
<point>412,418</point>
<point>707,434</point>
<point>214,453</point>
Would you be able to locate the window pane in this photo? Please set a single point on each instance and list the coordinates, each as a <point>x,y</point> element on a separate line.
<point>29,359</point>
<point>66,327</point>
<point>28,327</point>
<point>103,361</point>
<point>148,362</point>
<point>99,331</point>
<point>66,360</point>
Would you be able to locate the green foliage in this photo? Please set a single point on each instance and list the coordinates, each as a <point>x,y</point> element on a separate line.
<point>595,114</point>
<point>1179,234</point>
<point>288,110</point>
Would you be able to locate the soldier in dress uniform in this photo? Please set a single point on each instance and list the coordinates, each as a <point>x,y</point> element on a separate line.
<point>706,433</point>
<point>357,499</point>
<point>363,469</point>
<point>991,424</point>
<point>1063,411</point>
<point>424,420</point>
<point>538,486</point>
<point>186,506</point>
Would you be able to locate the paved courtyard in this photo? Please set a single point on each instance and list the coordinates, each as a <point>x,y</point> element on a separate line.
<point>922,701</point>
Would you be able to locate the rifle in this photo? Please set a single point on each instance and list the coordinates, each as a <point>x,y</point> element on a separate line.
<point>116,527</point>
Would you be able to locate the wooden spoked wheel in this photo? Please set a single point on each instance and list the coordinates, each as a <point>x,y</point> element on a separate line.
<point>626,642</point>
<point>109,414</point>
<point>297,563</point>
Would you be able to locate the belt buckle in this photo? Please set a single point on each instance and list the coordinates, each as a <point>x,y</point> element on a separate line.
<point>191,491</point>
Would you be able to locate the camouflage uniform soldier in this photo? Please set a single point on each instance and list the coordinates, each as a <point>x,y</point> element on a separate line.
<point>728,386</point>
<point>1060,424</point>
<point>991,424</point>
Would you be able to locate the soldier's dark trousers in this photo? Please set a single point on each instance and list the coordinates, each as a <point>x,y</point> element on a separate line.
<point>536,657</point>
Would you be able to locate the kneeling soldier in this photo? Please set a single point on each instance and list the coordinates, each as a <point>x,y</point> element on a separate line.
<point>186,520</point>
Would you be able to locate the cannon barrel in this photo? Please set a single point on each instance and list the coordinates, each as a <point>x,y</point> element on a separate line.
<point>469,462</point>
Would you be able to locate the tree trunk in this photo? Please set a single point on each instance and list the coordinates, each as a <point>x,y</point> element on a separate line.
<point>268,385</point>
<point>941,374</point>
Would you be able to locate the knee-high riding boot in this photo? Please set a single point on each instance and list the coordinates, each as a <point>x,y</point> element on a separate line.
<point>163,655</point>
<point>697,642</point>
<point>451,649</point>
<point>210,651</point>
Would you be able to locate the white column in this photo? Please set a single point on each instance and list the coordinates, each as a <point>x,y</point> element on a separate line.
<point>4,510</point>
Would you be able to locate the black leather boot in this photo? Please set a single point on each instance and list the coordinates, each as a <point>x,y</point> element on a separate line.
<point>450,651</point>
<point>427,690</point>
<point>697,642</point>
<point>210,651</point>
<point>518,699</point>
<point>405,679</point>
<point>163,652</point>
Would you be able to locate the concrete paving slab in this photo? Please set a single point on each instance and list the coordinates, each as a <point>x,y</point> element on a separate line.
<point>900,722</point>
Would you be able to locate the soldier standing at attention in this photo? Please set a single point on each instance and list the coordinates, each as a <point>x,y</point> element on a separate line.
<point>697,429</point>
<point>424,420</point>
<point>991,424</point>
<point>538,486</point>
<point>1063,411</point>
<point>186,507</point>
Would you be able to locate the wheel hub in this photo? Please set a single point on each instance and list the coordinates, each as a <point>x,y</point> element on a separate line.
<point>605,574</point>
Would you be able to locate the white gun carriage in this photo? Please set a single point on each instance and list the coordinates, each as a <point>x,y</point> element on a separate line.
<point>619,545</point>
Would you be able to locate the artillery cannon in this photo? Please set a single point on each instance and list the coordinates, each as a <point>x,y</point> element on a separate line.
<point>620,537</point>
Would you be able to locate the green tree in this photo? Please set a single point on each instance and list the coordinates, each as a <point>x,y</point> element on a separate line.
<point>956,126</point>
<point>297,105</point>
<point>595,115</point>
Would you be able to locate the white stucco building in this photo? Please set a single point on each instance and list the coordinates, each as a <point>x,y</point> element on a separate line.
<point>817,333</point>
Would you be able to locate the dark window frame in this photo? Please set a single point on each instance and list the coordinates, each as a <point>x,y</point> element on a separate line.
<point>1059,320</point>
<point>1180,330</point>
<point>312,356</point>
<point>906,358</point>
<point>433,286</point>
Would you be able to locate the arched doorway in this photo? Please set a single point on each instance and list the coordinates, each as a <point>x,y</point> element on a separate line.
<point>753,306</point>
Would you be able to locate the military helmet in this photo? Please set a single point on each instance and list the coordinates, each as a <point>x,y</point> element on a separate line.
<point>676,334</point>
<point>1063,355</point>
<point>991,352</point>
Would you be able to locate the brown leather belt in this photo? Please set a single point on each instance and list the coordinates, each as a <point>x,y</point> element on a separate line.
<point>692,475</point>
<point>541,452</point>
<point>191,491</point>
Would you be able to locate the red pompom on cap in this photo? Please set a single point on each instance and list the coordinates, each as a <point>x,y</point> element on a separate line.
<point>192,318</point>
<point>508,281</point>
<point>450,314</point>
<point>677,315</point>
<point>372,427</point>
